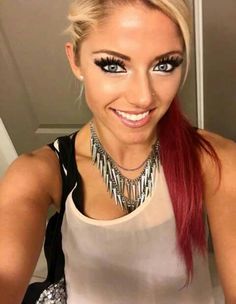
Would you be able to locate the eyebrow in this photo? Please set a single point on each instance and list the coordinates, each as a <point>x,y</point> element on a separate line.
<point>127,58</point>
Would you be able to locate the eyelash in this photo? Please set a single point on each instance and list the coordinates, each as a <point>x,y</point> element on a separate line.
<point>174,61</point>
<point>108,62</point>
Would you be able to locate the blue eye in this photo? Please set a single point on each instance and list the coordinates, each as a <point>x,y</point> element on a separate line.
<point>165,67</point>
<point>113,68</point>
<point>111,65</point>
<point>168,64</point>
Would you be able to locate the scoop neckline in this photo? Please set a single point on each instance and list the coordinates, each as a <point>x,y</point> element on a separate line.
<point>93,221</point>
<point>119,220</point>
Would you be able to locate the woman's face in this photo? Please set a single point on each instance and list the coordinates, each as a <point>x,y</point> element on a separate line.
<point>132,71</point>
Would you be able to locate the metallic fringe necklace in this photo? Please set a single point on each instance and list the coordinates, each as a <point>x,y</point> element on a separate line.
<point>137,189</point>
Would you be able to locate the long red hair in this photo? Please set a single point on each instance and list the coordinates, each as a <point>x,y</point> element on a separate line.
<point>180,149</point>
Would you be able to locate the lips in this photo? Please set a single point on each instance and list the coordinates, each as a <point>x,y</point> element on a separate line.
<point>133,119</point>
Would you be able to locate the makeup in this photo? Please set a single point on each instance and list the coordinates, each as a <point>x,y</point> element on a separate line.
<point>111,64</point>
<point>165,64</point>
<point>169,63</point>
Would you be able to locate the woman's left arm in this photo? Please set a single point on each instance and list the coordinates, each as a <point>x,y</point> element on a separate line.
<point>220,203</point>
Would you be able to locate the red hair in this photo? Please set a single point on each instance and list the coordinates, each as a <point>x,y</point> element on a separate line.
<point>180,148</point>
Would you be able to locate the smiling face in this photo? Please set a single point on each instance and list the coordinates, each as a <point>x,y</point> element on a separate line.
<point>132,67</point>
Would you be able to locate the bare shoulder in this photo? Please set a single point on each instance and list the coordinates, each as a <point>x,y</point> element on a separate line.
<point>30,185</point>
<point>217,181</point>
<point>220,203</point>
<point>36,173</point>
<point>223,146</point>
<point>226,152</point>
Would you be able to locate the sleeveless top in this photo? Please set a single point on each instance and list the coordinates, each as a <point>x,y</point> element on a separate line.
<point>132,259</point>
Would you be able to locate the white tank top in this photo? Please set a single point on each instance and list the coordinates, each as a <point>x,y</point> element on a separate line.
<point>132,259</point>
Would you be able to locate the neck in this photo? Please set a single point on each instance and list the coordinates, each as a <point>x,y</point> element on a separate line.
<point>127,191</point>
<point>127,155</point>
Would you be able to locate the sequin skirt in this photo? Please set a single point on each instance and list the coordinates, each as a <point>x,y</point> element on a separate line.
<point>54,294</point>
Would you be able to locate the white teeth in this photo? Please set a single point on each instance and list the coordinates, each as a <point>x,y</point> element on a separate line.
<point>132,117</point>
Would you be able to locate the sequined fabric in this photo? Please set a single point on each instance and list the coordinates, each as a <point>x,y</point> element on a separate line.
<point>54,294</point>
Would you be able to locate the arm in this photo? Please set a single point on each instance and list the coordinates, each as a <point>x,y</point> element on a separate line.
<point>220,200</point>
<point>30,185</point>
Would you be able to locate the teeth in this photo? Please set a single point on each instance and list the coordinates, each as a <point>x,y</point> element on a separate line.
<point>132,117</point>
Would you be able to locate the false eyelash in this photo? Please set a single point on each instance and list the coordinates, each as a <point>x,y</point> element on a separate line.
<point>175,61</point>
<point>109,61</point>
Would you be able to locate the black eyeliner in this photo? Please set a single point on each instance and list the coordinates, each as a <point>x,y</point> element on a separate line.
<point>175,61</point>
<point>102,62</point>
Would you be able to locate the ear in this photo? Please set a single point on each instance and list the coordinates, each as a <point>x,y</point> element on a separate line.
<point>71,57</point>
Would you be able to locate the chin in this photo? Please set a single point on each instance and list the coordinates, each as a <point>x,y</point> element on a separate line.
<point>138,138</point>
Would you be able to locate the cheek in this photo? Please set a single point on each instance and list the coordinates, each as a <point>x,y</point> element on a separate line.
<point>167,88</point>
<point>100,90</point>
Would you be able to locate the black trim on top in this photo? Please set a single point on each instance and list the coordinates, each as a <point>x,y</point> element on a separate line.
<point>53,238</point>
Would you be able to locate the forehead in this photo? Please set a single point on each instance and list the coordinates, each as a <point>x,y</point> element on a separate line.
<point>131,28</point>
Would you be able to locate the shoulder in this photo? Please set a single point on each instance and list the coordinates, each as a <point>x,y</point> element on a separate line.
<point>220,203</point>
<point>37,164</point>
<point>225,150</point>
<point>35,174</point>
<point>219,143</point>
<point>219,178</point>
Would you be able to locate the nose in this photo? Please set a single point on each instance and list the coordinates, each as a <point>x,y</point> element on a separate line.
<point>140,92</point>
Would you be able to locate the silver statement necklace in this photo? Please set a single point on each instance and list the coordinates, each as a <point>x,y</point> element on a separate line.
<point>137,189</point>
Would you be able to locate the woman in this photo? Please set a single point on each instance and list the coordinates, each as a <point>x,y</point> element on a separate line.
<point>135,185</point>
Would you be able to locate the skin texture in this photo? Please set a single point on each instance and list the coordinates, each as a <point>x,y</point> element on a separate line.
<point>138,89</point>
<point>220,203</point>
<point>31,184</point>
<point>33,181</point>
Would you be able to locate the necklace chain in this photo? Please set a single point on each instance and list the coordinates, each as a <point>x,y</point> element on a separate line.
<point>137,189</point>
<point>132,169</point>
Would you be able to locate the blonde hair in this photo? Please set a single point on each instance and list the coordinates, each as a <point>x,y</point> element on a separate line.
<point>86,14</point>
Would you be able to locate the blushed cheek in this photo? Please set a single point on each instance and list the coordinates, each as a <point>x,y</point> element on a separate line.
<point>111,88</point>
<point>167,90</point>
<point>104,91</point>
<point>99,93</point>
<point>173,90</point>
